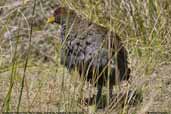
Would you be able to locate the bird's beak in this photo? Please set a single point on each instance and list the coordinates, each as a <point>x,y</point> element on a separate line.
<point>51,19</point>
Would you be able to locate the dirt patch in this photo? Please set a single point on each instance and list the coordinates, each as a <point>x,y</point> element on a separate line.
<point>156,91</point>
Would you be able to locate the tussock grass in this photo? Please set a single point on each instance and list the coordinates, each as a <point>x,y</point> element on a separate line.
<point>144,27</point>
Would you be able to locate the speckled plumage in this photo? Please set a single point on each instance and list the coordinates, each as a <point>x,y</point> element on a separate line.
<point>91,49</point>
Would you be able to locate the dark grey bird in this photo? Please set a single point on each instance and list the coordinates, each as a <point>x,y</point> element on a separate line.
<point>96,52</point>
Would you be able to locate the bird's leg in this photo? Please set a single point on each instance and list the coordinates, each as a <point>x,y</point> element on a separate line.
<point>99,93</point>
<point>110,93</point>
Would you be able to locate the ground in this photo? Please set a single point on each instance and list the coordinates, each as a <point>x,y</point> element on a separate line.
<point>156,90</point>
<point>47,93</point>
<point>49,87</point>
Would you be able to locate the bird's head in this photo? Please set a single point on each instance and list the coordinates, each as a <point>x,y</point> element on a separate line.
<point>60,15</point>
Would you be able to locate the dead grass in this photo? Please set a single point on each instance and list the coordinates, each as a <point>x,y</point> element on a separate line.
<point>145,28</point>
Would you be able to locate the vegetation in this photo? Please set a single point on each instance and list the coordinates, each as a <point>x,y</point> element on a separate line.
<point>31,77</point>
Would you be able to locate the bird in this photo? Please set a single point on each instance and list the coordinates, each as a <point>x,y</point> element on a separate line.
<point>96,52</point>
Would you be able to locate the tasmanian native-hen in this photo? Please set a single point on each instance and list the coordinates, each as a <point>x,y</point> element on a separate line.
<point>95,51</point>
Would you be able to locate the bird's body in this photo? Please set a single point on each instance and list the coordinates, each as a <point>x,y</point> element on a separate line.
<point>93,50</point>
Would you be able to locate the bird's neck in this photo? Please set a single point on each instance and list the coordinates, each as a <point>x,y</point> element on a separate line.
<point>67,25</point>
<point>68,19</point>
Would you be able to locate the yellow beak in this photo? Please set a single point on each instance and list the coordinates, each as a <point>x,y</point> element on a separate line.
<point>51,19</point>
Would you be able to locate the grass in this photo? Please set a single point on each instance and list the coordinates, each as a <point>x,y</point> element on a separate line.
<point>29,48</point>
